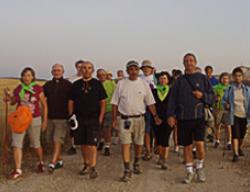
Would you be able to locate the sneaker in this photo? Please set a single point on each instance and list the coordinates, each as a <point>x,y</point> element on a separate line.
<point>84,171</point>
<point>126,176</point>
<point>176,148</point>
<point>241,153</point>
<point>100,146</point>
<point>59,164</point>
<point>210,138</point>
<point>93,173</point>
<point>51,167</point>
<point>136,169</point>
<point>235,158</point>
<point>106,151</point>
<point>40,167</point>
<point>147,157</point>
<point>164,166</point>
<point>229,147</point>
<point>159,162</point>
<point>15,174</point>
<point>201,175</point>
<point>216,144</point>
<point>189,178</point>
<point>115,141</point>
<point>71,151</point>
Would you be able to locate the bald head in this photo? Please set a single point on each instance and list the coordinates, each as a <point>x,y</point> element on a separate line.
<point>57,71</point>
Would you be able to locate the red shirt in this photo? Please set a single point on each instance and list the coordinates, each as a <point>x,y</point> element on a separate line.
<point>31,100</point>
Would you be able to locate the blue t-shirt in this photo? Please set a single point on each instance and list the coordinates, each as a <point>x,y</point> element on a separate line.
<point>214,81</point>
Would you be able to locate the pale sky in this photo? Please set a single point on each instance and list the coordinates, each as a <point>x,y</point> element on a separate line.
<point>40,33</point>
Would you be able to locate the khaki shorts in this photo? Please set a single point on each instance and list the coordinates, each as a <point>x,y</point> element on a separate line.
<point>56,131</point>
<point>34,133</point>
<point>221,116</point>
<point>135,133</point>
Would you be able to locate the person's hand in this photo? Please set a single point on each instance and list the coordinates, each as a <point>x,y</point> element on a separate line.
<point>44,125</point>
<point>7,96</point>
<point>227,106</point>
<point>114,124</point>
<point>158,121</point>
<point>171,122</point>
<point>198,94</point>
<point>100,120</point>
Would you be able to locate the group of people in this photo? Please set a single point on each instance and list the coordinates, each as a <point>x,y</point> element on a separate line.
<point>142,110</point>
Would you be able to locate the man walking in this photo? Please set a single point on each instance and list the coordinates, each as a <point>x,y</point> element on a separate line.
<point>57,93</point>
<point>130,99</point>
<point>87,102</point>
<point>190,94</point>
<point>109,86</point>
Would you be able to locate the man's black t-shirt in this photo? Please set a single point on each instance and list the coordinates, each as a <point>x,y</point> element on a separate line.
<point>57,94</point>
<point>87,96</point>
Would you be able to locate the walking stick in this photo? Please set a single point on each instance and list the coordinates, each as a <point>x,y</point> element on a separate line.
<point>5,140</point>
<point>224,148</point>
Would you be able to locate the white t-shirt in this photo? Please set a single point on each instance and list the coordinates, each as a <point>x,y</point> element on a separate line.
<point>132,97</point>
<point>74,78</point>
<point>149,80</point>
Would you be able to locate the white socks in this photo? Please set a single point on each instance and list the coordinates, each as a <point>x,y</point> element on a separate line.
<point>199,164</point>
<point>189,168</point>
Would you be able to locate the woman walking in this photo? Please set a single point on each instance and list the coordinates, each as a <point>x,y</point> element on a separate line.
<point>29,94</point>
<point>162,131</point>
<point>237,101</point>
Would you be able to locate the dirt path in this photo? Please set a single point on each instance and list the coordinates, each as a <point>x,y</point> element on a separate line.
<point>220,176</point>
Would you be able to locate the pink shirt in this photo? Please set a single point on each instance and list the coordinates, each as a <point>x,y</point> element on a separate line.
<point>31,100</point>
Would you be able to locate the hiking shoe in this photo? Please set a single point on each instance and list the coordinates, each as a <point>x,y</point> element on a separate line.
<point>136,169</point>
<point>241,153</point>
<point>210,138</point>
<point>126,175</point>
<point>201,175</point>
<point>93,173</point>
<point>59,164</point>
<point>15,174</point>
<point>147,157</point>
<point>40,167</point>
<point>106,151</point>
<point>115,141</point>
<point>164,166</point>
<point>216,144</point>
<point>229,147</point>
<point>51,167</point>
<point>84,171</point>
<point>189,178</point>
<point>71,151</point>
<point>159,162</point>
<point>235,158</point>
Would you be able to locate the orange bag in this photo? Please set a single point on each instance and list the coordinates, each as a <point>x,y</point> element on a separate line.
<point>21,119</point>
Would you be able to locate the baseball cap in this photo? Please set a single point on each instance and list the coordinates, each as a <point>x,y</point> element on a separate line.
<point>132,63</point>
<point>147,63</point>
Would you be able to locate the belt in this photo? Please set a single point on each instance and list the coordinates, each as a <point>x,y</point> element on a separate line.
<point>131,116</point>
